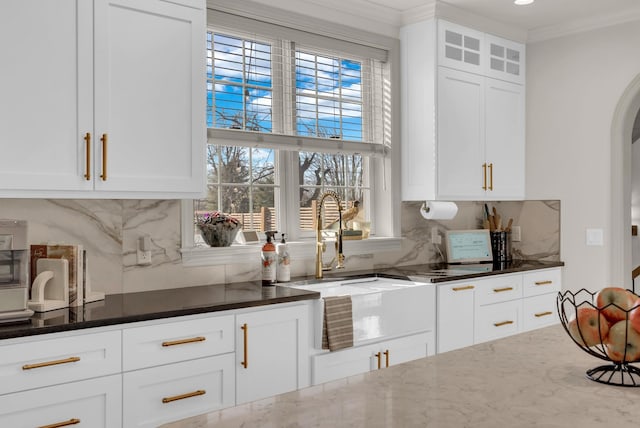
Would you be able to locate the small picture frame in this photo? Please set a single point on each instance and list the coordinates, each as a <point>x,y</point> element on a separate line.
<point>247,237</point>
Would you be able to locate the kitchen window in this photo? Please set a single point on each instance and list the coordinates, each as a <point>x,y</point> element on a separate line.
<point>291,115</point>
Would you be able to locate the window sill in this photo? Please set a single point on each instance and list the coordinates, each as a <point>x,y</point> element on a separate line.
<point>239,254</point>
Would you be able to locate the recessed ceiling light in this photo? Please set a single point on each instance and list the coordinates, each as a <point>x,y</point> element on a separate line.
<point>523,2</point>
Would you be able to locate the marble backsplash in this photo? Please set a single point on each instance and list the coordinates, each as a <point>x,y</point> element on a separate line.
<point>109,229</point>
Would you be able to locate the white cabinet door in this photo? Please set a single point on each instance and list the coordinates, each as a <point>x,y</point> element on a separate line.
<point>46,102</point>
<point>149,96</point>
<point>346,362</point>
<point>456,306</point>
<point>272,348</point>
<point>498,320</point>
<point>175,391</point>
<point>539,311</point>
<point>409,348</point>
<point>95,403</point>
<point>506,59</point>
<point>460,135</point>
<point>505,139</point>
<point>460,47</point>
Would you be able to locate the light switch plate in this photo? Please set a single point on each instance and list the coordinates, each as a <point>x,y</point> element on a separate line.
<point>595,237</point>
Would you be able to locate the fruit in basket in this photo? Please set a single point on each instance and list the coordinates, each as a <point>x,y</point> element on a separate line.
<point>634,315</point>
<point>623,342</point>
<point>614,302</point>
<point>589,327</point>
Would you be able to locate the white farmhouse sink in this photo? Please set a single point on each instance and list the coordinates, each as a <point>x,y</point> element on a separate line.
<point>382,307</point>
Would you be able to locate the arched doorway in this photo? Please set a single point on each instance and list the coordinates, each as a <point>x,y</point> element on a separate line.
<point>620,221</point>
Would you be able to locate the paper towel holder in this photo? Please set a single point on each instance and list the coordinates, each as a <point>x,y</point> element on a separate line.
<point>438,210</point>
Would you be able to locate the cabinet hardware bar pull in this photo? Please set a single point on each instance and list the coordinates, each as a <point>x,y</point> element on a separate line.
<point>386,357</point>
<point>50,363</point>
<point>543,314</point>
<point>500,290</point>
<point>245,363</point>
<point>543,282</point>
<point>464,287</point>
<point>104,157</point>
<point>379,357</point>
<point>87,140</point>
<point>484,174</point>
<point>500,324</point>
<point>491,176</point>
<point>183,341</point>
<point>73,421</point>
<point>183,396</point>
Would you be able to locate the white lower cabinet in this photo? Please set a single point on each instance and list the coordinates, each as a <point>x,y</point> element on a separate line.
<point>93,403</point>
<point>352,361</point>
<point>167,393</point>
<point>479,310</point>
<point>272,352</point>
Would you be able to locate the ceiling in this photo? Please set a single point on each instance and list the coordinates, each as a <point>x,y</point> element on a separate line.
<point>542,13</point>
<point>544,19</point>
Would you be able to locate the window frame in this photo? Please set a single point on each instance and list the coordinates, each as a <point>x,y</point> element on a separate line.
<point>384,162</point>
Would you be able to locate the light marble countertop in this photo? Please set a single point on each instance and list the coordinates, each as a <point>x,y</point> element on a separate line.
<point>534,379</point>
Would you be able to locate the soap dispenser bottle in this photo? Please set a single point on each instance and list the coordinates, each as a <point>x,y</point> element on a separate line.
<point>269,260</point>
<point>283,272</point>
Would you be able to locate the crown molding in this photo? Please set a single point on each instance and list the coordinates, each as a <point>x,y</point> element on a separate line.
<point>582,25</point>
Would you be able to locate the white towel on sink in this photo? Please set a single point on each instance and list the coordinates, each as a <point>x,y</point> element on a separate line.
<point>337,323</point>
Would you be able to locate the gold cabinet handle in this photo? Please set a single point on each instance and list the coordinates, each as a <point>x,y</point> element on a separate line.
<point>379,357</point>
<point>543,314</point>
<point>87,140</point>
<point>464,287</point>
<point>484,174</point>
<point>490,176</point>
<point>500,324</point>
<point>50,363</point>
<point>73,421</point>
<point>500,290</point>
<point>544,282</point>
<point>183,341</point>
<point>166,400</point>
<point>104,157</point>
<point>245,363</point>
<point>386,358</point>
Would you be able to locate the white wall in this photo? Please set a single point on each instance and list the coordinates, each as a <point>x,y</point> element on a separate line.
<point>573,86</point>
<point>635,202</point>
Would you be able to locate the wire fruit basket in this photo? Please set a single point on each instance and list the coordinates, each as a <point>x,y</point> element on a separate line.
<point>605,324</point>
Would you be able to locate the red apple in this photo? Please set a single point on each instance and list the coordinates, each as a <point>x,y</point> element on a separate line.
<point>623,342</point>
<point>614,302</point>
<point>634,315</point>
<point>589,327</point>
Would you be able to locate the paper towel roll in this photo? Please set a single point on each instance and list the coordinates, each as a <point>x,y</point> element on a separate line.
<point>438,210</point>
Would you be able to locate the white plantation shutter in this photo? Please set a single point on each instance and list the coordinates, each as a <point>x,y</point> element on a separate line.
<point>277,87</point>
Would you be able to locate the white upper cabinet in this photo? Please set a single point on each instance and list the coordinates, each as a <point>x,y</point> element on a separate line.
<point>105,99</point>
<point>45,105</point>
<point>506,59</point>
<point>461,48</point>
<point>462,125</point>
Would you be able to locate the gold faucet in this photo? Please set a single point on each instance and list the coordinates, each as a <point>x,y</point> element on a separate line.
<point>320,245</point>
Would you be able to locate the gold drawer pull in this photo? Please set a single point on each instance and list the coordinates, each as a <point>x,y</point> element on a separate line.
<point>183,396</point>
<point>379,357</point>
<point>386,357</point>
<point>543,282</point>
<point>484,174</point>
<point>104,140</point>
<point>465,287</point>
<point>500,290</point>
<point>73,421</point>
<point>50,363</point>
<point>543,314</point>
<point>87,140</point>
<point>245,329</point>
<point>500,324</point>
<point>491,176</point>
<point>183,341</point>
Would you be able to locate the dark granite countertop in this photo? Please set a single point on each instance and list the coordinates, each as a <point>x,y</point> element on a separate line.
<point>149,305</point>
